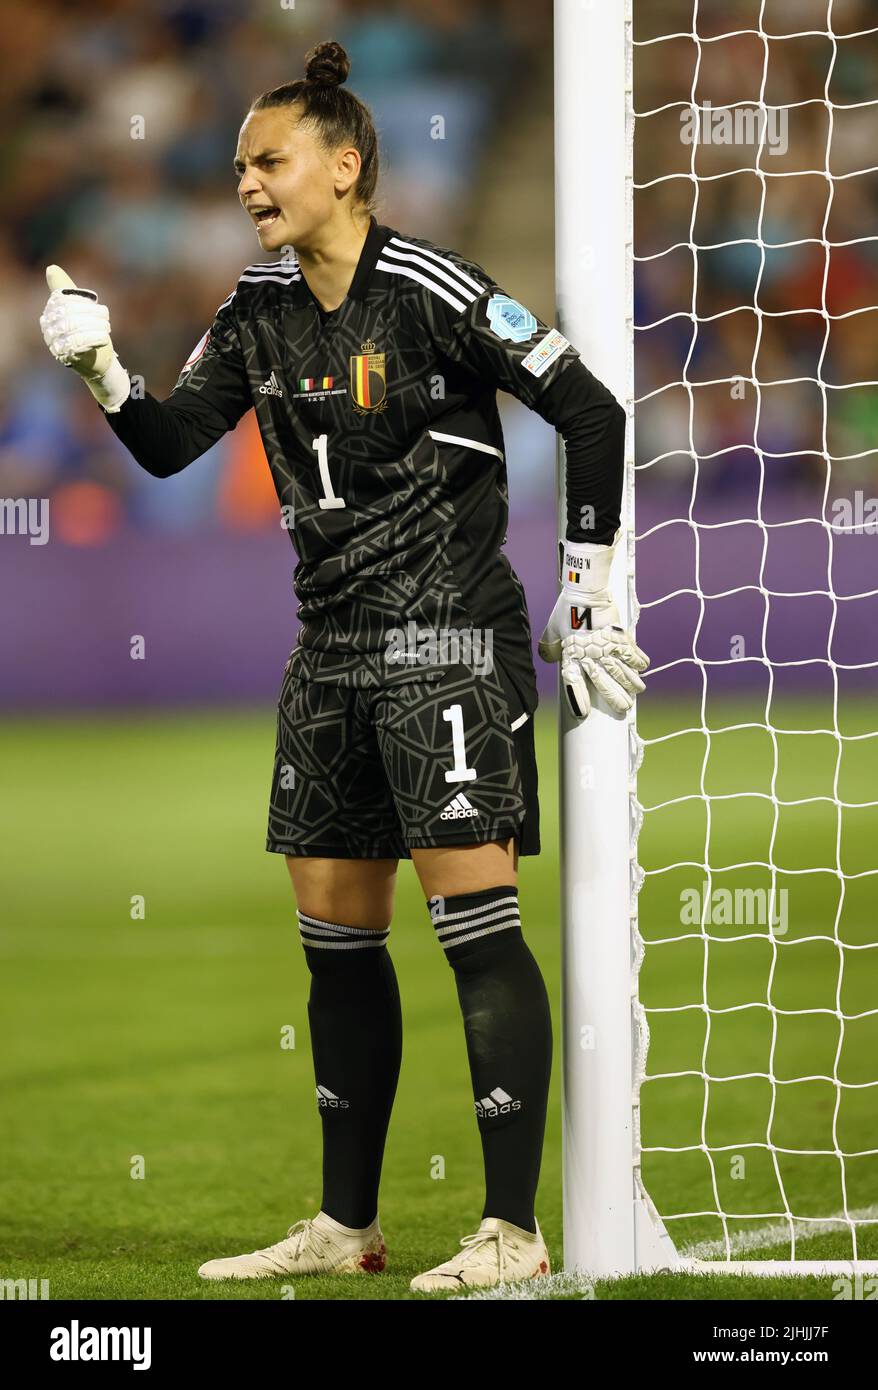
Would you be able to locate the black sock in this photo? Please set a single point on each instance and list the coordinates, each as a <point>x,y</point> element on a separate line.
<point>356,1038</point>
<point>508,1027</point>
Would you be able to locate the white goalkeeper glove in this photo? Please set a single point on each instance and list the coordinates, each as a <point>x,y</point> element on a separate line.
<point>584,633</point>
<point>77,332</point>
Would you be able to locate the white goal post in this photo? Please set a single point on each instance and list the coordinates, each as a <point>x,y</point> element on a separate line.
<point>611,1225</point>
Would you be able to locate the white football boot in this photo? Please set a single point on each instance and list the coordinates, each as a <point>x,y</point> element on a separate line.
<point>498,1253</point>
<point>317,1246</point>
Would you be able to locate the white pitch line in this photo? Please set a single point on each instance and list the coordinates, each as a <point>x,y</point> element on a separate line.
<point>773,1234</point>
<point>567,1285</point>
<point>578,1285</point>
<point>545,1286</point>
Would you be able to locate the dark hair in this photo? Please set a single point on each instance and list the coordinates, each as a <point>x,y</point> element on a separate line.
<point>339,117</point>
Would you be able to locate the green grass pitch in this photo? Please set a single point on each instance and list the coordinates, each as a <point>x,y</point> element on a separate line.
<point>161,1037</point>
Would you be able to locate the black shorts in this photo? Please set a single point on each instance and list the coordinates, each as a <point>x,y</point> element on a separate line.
<point>415,759</point>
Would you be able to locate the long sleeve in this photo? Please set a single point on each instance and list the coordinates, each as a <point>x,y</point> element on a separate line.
<point>592,424</point>
<point>209,398</point>
<point>501,341</point>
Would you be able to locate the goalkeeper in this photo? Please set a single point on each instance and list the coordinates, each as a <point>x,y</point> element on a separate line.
<point>372,360</point>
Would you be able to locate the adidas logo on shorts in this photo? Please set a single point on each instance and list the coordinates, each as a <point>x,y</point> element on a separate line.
<point>459,809</point>
<point>329,1100</point>
<point>497,1103</point>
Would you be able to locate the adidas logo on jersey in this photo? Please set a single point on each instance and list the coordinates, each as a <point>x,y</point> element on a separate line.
<point>497,1103</point>
<point>270,387</point>
<point>459,809</point>
<point>329,1100</point>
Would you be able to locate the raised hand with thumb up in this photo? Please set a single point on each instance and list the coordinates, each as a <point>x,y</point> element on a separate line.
<point>76,329</point>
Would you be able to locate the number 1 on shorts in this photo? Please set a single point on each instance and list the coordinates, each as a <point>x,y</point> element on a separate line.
<point>460,772</point>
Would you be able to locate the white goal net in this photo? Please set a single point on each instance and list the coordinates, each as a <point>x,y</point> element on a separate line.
<point>754,757</point>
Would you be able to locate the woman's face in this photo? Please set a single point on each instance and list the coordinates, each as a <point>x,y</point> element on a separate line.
<point>288,183</point>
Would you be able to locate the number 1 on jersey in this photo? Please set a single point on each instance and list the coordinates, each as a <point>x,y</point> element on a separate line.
<point>329,498</point>
<point>453,715</point>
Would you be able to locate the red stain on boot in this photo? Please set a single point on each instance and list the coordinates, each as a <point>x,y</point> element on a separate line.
<point>373,1261</point>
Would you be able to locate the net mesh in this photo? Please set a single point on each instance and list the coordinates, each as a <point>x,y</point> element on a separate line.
<point>755,269</point>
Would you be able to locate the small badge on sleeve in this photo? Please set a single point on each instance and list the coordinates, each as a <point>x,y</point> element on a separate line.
<point>540,358</point>
<point>509,319</point>
<point>196,352</point>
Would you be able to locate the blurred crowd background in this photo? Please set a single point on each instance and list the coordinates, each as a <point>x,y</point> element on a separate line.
<point>154,225</point>
<point>799,313</point>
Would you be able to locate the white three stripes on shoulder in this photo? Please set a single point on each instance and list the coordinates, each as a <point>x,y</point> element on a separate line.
<point>411,274</point>
<point>261,279</point>
<point>278,271</point>
<point>438,268</point>
<point>273,267</point>
<point>282,274</point>
<point>440,260</point>
<point>462,289</point>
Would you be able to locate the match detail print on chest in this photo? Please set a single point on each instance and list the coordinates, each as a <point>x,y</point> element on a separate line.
<point>347,356</point>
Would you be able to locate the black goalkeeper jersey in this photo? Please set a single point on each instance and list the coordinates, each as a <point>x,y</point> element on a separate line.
<point>382,433</point>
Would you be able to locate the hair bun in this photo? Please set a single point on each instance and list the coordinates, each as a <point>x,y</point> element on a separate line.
<point>327,63</point>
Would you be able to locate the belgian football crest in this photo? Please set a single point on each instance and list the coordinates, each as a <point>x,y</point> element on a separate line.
<point>368,380</point>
